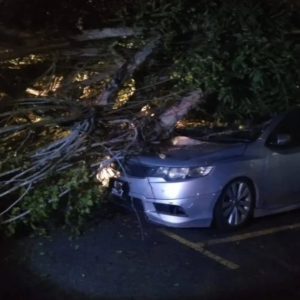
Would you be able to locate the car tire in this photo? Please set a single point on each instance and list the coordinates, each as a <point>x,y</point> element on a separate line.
<point>235,206</point>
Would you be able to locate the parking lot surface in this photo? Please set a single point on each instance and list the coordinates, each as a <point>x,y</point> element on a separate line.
<point>119,259</point>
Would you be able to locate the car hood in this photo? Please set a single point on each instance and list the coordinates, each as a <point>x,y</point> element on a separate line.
<point>186,156</point>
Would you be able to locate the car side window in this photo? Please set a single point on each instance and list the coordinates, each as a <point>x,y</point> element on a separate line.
<point>290,125</point>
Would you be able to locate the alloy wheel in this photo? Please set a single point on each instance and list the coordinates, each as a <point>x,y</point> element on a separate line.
<point>236,204</point>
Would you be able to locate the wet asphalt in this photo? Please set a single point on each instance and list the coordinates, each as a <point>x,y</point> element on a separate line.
<point>119,259</point>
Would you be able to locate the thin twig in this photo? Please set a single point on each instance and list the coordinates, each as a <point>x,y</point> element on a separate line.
<point>17,201</point>
<point>28,135</point>
<point>115,157</point>
<point>17,217</point>
<point>10,172</point>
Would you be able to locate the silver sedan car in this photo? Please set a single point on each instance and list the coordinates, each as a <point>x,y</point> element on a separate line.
<point>228,178</point>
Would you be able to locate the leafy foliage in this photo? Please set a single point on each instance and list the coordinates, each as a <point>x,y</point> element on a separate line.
<point>244,55</point>
<point>73,208</point>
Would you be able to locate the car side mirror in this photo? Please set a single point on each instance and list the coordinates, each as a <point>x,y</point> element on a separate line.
<point>283,139</point>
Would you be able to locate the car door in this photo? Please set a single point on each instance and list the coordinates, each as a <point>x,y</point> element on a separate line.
<point>282,175</point>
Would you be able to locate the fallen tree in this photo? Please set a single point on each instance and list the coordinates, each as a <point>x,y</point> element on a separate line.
<point>81,109</point>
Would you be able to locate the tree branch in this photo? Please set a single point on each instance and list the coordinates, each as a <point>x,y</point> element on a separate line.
<point>17,217</point>
<point>176,112</point>
<point>86,35</point>
<point>98,34</point>
<point>17,201</point>
<point>120,77</point>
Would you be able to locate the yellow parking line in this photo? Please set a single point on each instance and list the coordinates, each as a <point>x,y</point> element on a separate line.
<point>249,235</point>
<point>200,248</point>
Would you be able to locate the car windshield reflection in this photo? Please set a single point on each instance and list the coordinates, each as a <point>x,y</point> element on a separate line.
<point>243,134</point>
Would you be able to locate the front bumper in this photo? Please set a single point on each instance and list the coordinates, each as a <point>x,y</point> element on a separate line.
<point>195,211</point>
<point>199,210</point>
<point>195,198</point>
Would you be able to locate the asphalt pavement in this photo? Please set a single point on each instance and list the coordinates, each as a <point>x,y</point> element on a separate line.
<point>119,259</point>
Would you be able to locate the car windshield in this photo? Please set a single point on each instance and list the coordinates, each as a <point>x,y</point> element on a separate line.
<point>233,136</point>
<point>241,134</point>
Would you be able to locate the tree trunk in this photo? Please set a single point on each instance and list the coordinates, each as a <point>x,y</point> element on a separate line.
<point>119,78</point>
<point>176,112</point>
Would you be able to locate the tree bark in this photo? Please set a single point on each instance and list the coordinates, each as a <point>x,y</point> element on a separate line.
<point>98,34</point>
<point>119,78</point>
<point>176,112</point>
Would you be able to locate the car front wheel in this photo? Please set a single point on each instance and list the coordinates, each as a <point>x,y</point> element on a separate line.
<point>235,206</point>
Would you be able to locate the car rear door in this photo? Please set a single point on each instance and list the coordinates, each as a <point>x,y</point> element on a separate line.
<point>282,176</point>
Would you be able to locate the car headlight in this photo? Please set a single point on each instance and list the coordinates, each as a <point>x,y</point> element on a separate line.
<point>171,174</point>
<point>200,171</point>
<point>178,173</point>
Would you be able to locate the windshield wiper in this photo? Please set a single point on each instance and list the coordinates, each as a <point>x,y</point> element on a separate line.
<point>208,136</point>
<point>229,140</point>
